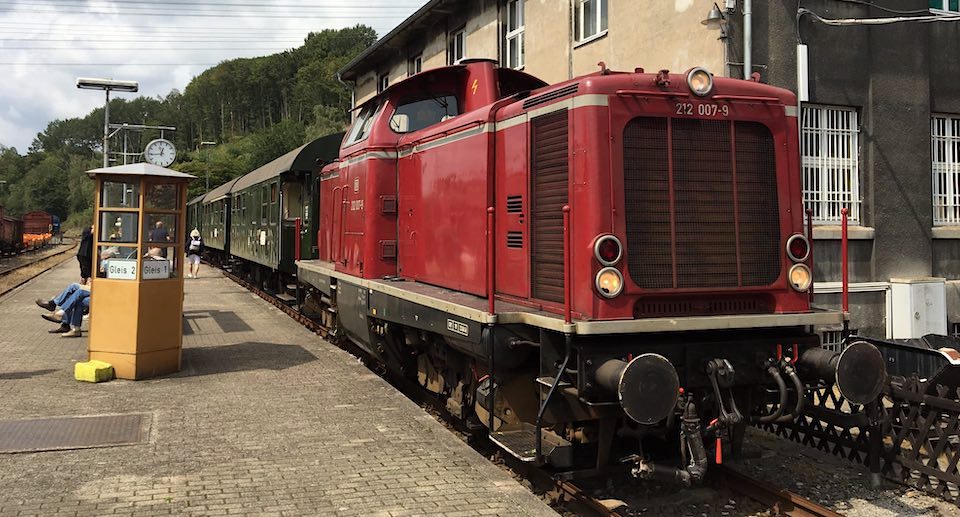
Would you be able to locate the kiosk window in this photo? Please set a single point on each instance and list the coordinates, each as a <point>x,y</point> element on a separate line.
<point>117,262</point>
<point>114,194</point>
<point>159,263</point>
<point>160,228</point>
<point>161,196</point>
<point>118,227</point>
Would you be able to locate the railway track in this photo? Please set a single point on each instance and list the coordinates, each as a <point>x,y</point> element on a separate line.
<point>15,275</point>
<point>780,501</point>
<point>569,496</point>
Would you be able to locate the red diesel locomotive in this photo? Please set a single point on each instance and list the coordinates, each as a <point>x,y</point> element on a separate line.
<point>585,268</point>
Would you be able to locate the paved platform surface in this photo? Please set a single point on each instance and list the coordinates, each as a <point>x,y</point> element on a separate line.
<point>264,419</point>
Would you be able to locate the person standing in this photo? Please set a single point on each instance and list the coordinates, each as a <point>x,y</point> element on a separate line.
<point>194,248</point>
<point>85,255</point>
<point>160,234</point>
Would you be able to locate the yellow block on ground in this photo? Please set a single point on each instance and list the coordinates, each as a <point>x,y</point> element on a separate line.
<point>93,371</point>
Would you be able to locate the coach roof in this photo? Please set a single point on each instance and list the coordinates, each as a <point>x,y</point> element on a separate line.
<point>302,159</point>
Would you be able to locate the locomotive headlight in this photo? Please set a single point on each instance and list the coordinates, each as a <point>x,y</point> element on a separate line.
<point>798,248</point>
<point>608,250</point>
<point>700,81</point>
<point>609,282</point>
<point>800,277</point>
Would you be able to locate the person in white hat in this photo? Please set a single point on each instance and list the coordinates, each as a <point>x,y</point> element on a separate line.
<point>194,248</point>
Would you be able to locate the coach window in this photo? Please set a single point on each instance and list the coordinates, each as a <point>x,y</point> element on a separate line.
<point>360,129</point>
<point>264,205</point>
<point>292,204</point>
<point>273,203</point>
<point>418,113</point>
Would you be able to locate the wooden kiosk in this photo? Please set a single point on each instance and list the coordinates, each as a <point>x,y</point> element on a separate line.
<point>136,299</point>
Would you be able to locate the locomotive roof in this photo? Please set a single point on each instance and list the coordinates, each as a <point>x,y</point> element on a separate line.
<point>303,158</point>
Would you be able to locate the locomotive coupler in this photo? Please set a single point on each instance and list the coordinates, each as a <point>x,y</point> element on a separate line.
<point>721,375</point>
<point>691,447</point>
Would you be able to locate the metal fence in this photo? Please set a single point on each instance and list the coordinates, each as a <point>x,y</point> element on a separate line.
<point>911,436</point>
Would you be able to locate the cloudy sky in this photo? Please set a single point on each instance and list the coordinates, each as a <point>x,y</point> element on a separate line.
<point>46,44</point>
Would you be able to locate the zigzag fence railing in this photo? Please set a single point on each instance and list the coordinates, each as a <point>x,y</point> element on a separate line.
<point>910,436</point>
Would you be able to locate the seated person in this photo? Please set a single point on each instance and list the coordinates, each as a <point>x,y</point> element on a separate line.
<point>73,301</point>
<point>72,319</point>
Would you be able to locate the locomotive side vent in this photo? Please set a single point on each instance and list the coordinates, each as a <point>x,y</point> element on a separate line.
<point>549,96</point>
<point>701,203</point>
<point>549,186</point>
<point>514,239</point>
<point>514,204</point>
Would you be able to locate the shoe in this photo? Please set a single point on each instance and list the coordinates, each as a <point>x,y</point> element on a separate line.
<point>52,317</point>
<point>60,330</point>
<point>72,333</point>
<point>46,304</point>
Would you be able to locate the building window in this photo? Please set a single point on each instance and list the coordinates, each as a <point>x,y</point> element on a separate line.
<point>945,138</point>
<point>513,57</point>
<point>590,19</point>
<point>952,6</point>
<point>830,160</point>
<point>456,46</point>
<point>415,65</point>
<point>383,82</point>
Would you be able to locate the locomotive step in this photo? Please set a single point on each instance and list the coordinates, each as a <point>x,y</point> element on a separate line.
<point>521,442</point>
<point>548,381</point>
<point>286,298</point>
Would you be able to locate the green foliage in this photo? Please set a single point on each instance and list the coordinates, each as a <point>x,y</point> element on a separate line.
<point>255,108</point>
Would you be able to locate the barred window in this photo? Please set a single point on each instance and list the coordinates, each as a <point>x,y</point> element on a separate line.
<point>830,159</point>
<point>945,138</point>
<point>952,6</point>
<point>513,55</point>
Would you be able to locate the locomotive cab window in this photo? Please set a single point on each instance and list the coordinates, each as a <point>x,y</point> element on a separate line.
<point>360,129</point>
<point>419,112</point>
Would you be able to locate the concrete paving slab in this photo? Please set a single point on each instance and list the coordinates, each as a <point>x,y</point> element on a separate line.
<point>264,419</point>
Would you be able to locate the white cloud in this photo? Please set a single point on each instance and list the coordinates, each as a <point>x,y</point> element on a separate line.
<point>42,42</point>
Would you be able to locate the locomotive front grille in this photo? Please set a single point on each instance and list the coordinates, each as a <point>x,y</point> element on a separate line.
<point>701,203</point>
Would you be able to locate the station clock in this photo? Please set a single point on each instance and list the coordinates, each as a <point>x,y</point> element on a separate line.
<point>160,152</point>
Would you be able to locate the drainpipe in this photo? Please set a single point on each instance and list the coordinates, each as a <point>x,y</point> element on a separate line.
<point>353,94</point>
<point>747,37</point>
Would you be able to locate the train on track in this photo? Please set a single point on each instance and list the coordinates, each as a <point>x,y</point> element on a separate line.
<point>593,272</point>
<point>31,231</point>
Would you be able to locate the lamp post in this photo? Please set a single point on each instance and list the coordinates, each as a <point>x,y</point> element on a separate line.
<point>206,165</point>
<point>88,83</point>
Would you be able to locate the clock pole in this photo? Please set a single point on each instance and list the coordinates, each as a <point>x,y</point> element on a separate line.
<point>86,83</point>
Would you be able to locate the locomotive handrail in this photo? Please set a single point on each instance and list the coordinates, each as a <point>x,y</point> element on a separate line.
<point>567,310</point>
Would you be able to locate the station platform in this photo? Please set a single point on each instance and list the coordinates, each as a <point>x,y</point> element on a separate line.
<point>265,418</point>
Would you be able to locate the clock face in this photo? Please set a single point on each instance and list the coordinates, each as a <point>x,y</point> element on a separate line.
<point>160,152</point>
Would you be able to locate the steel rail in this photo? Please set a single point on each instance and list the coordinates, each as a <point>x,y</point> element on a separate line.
<point>53,264</point>
<point>780,500</point>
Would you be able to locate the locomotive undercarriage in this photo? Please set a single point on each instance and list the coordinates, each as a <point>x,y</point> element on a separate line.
<point>653,404</point>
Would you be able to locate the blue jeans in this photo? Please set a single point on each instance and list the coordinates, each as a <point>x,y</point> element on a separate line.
<point>74,314</point>
<point>74,299</point>
<point>61,298</point>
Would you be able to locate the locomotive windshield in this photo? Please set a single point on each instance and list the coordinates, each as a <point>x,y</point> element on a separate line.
<point>419,112</point>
